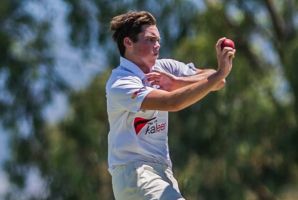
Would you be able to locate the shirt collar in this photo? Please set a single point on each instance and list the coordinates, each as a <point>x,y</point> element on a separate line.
<point>131,67</point>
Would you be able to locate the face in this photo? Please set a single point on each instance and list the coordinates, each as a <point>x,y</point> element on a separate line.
<point>146,50</point>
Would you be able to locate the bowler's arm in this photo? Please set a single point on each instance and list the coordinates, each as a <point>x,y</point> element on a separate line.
<point>183,97</point>
<point>170,82</point>
<point>200,76</point>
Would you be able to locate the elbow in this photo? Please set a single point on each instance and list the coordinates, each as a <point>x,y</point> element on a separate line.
<point>220,85</point>
<point>223,83</point>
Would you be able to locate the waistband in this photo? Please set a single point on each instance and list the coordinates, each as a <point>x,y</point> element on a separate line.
<point>139,163</point>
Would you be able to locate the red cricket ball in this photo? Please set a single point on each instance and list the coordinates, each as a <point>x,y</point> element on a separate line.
<point>227,43</point>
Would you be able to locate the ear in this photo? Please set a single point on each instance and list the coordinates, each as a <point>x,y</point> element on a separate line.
<point>127,42</point>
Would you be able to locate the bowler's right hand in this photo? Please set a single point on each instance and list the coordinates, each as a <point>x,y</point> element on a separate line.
<point>225,58</point>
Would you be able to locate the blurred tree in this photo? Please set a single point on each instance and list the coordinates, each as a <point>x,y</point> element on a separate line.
<point>239,143</point>
<point>244,138</point>
<point>76,149</point>
<point>27,81</point>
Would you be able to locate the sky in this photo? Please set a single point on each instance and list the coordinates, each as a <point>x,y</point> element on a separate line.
<point>4,185</point>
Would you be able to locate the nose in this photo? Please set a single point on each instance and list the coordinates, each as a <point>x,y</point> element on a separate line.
<point>157,45</point>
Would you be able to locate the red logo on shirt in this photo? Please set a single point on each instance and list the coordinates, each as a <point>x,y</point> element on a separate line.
<point>135,94</point>
<point>140,122</point>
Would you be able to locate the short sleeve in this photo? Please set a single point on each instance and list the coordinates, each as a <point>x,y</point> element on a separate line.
<point>175,67</point>
<point>128,93</point>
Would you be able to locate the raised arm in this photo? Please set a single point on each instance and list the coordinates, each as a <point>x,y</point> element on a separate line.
<point>185,96</point>
<point>169,82</point>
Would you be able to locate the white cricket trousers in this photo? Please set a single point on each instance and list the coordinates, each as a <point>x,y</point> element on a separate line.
<point>144,181</point>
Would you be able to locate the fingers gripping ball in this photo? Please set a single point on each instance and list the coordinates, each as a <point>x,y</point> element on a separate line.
<point>227,43</point>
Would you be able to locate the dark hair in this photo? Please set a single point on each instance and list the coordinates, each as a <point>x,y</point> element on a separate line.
<point>129,25</point>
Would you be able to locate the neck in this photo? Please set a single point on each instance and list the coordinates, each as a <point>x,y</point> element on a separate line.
<point>139,63</point>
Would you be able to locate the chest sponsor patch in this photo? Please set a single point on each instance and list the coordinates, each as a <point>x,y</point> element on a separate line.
<point>140,122</point>
<point>153,125</point>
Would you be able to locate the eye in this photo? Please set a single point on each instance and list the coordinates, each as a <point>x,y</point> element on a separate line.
<point>152,39</point>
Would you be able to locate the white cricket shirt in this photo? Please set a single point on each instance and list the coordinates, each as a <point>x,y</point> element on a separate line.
<point>137,135</point>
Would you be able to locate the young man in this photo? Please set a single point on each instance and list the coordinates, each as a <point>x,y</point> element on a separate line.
<point>140,92</point>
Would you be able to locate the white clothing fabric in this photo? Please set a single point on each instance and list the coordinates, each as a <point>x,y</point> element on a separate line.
<point>137,135</point>
<point>145,181</point>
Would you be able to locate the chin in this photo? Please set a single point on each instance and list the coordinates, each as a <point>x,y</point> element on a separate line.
<point>155,57</point>
<point>150,62</point>
<point>153,62</point>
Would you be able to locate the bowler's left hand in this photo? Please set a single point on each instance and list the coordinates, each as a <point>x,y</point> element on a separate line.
<point>164,80</point>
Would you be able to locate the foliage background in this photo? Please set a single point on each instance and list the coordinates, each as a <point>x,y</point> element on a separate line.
<point>239,143</point>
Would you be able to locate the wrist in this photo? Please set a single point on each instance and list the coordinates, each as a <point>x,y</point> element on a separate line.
<point>220,74</point>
